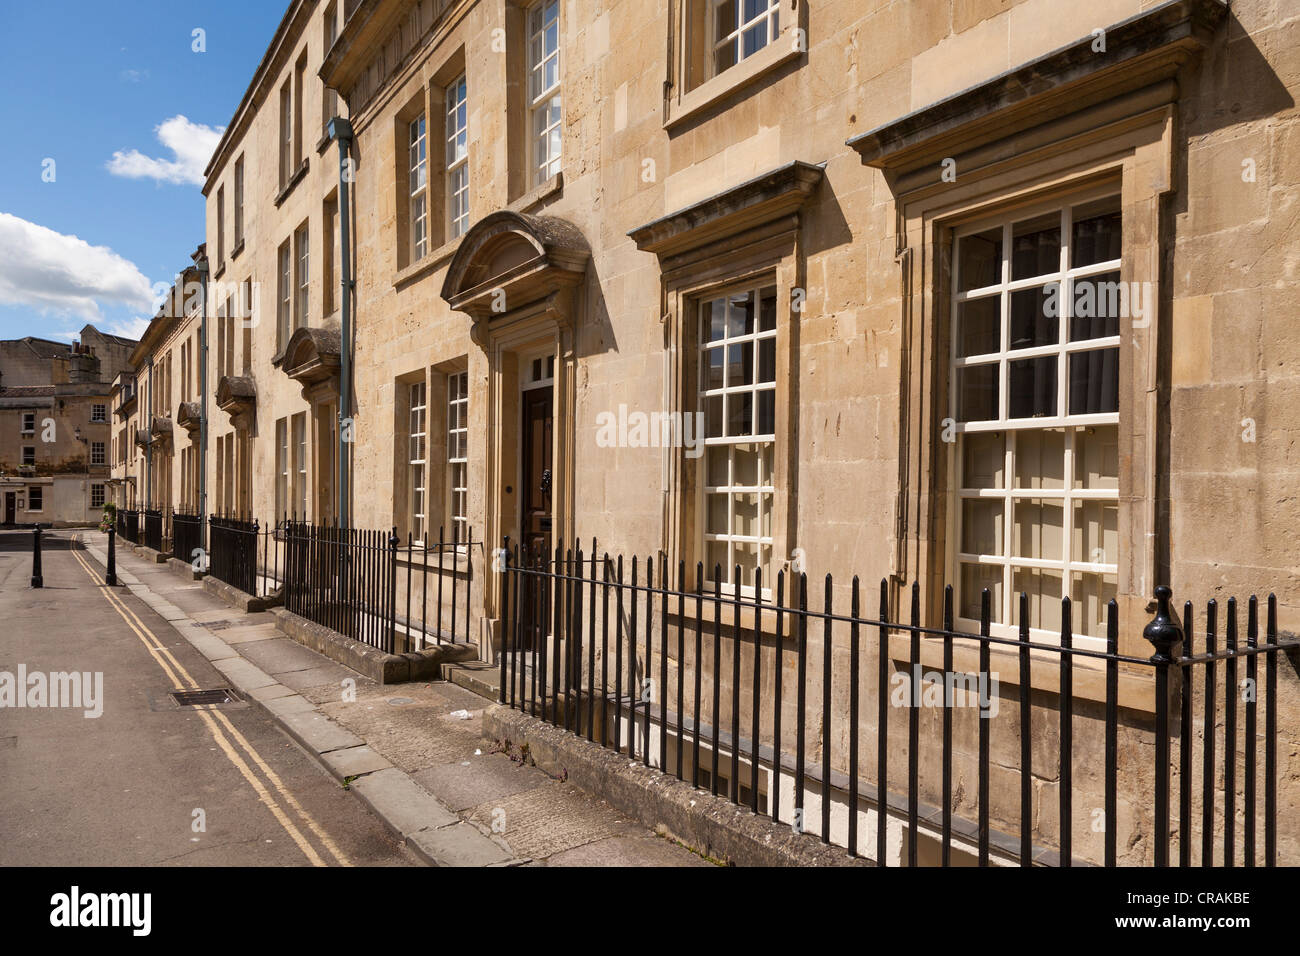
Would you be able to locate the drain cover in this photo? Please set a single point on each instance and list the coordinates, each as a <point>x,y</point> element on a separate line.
<point>219,625</point>
<point>400,701</point>
<point>194,698</point>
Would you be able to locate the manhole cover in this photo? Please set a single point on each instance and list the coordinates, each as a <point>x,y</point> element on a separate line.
<point>194,698</point>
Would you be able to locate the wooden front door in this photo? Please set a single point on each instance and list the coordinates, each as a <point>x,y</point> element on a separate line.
<point>11,507</point>
<point>537,428</point>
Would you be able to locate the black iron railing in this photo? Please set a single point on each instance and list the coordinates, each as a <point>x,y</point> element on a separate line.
<point>826,719</point>
<point>232,552</point>
<point>187,538</point>
<point>374,588</point>
<point>153,529</point>
<point>128,525</point>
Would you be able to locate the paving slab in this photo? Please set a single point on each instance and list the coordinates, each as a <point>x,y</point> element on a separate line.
<point>332,674</point>
<point>399,800</point>
<point>273,692</point>
<point>647,850</point>
<point>318,733</point>
<point>210,647</point>
<point>355,762</point>
<point>458,845</point>
<point>540,823</point>
<point>246,676</point>
<point>243,635</point>
<point>290,704</point>
<point>282,654</point>
<point>477,780</point>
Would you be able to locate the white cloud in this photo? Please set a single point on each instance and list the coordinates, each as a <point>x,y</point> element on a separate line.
<point>55,273</point>
<point>192,144</point>
<point>127,328</point>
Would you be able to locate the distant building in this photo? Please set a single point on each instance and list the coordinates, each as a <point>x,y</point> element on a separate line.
<point>54,427</point>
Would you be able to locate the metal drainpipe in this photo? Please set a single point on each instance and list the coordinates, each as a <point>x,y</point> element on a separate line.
<point>202,266</point>
<point>148,443</point>
<point>341,131</point>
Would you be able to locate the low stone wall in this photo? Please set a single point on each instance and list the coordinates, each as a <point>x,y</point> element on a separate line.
<point>185,569</point>
<point>233,596</point>
<point>707,824</point>
<point>378,665</point>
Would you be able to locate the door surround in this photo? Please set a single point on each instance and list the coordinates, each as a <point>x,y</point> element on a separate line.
<point>519,278</point>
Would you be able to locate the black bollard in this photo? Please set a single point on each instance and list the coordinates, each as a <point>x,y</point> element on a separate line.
<point>111,578</point>
<point>38,579</point>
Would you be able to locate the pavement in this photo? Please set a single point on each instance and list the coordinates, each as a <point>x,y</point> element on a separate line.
<point>408,757</point>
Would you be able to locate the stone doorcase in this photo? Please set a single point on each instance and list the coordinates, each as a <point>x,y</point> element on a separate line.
<point>519,279</point>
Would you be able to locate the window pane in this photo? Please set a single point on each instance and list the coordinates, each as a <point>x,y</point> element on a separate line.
<point>713,368</point>
<point>740,364</point>
<point>1036,246</point>
<point>767,360</point>
<point>981,526</point>
<point>983,459</point>
<point>1037,529</point>
<point>1090,593</point>
<point>724,57</point>
<point>767,310</point>
<point>977,393</point>
<point>1094,382</point>
<point>1096,306</point>
<point>713,416</point>
<point>766,412</point>
<point>740,414</point>
<point>1035,317</point>
<point>1045,593</point>
<point>719,463</point>
<point>1096,233</point>
<point>745,515</point>
<point>1095,538</point>
<point>724,18</point>
<point>745,462</point>
<point>1040,458</point>
<point>715,317</point>
<point>1032,388</point>
<point>979,260</point>
<point>716,512</point>
<point>1096,457</point>
<point>979,326</point>
<point>717,561</point>
<point>974,579</point>
<point>740,315</point>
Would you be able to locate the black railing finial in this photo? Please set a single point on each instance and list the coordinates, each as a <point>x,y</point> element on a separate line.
<point>1163,633</point>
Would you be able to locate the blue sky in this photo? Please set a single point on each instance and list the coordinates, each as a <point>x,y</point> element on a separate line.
<point>116,96</point>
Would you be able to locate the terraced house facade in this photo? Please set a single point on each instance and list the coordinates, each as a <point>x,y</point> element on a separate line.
<point>994,294</point>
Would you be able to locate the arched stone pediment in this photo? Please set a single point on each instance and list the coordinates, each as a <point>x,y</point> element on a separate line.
<point>311,355</point>
<point>236,396</point>
<point>509,260</point>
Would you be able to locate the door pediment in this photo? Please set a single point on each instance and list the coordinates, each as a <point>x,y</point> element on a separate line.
<point>509,260</point>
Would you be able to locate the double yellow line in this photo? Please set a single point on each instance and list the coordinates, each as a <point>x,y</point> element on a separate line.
<point>223,731</point>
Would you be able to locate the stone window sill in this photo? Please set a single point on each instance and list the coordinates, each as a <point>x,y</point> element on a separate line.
<point>452,560</point>
<point>428,262</point>
<point>539,193</point>
<point>234,253</point>
<point>731,82</point>
<point>294,180</point>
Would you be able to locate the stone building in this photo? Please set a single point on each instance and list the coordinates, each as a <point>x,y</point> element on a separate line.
<point>54,427</point>
<point>989,293</point>
<point>157,405</point>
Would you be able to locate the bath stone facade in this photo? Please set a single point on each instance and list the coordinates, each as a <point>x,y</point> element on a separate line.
<point>55,432</point>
